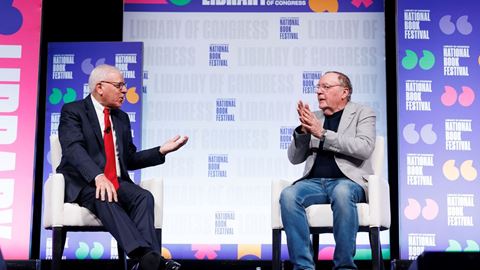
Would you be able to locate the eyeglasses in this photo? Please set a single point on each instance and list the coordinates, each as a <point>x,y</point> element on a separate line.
<point>118,85</point>
<point>326,87</point>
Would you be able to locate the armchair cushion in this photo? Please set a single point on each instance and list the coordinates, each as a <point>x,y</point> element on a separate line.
<point>57,213</point>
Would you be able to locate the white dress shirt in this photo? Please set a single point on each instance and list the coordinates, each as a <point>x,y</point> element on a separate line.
<point>101,120</point>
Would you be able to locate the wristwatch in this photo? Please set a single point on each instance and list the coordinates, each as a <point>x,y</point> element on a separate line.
<point>322,134</point>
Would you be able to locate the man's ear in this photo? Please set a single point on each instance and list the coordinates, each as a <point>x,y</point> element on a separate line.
<point>345,93</point>
<point>99,89</point>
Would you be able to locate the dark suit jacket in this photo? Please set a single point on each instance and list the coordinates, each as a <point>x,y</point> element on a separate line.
<point>83,155</point>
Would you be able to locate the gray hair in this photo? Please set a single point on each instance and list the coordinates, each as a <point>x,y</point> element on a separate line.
<point>344,81</point>
<point>99,74</point>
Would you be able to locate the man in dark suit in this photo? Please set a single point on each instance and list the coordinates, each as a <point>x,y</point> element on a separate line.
<point>96,175</point>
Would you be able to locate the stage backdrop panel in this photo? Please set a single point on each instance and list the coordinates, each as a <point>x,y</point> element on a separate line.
<point>68,68</point>
<point>438,124</point>
<point>19,58</point>
<point>229,75</point>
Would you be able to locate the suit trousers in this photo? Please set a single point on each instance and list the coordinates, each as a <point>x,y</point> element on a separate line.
<point>130,220</point>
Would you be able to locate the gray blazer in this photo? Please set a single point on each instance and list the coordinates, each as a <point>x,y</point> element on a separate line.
<point>353,143</point>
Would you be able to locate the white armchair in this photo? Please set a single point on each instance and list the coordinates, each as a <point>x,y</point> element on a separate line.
<point>61,217</point>
<point>373,216</point>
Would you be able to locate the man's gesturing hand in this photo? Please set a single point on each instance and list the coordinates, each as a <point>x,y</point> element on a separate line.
<point>173,144</point>
<point>310,123</point>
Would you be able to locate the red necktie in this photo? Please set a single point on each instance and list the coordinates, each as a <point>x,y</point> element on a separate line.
<point>110,167</point>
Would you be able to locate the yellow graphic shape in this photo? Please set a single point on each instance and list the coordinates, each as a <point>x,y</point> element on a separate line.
<point>450,171</point>
<point>324,5</point>
<point>132,95</point>
<point>468,171</point>
<point>166,253</point>
<point>244,250</point>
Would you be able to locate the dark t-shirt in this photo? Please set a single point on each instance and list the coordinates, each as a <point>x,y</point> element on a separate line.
<point>325,165</point>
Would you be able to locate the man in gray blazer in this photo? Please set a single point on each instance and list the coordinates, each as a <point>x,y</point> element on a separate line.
<point>335,142</point>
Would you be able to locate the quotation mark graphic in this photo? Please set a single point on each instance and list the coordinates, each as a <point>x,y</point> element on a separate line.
<point>410,60</point>
<point>452,173</point>
<point>454,246</point>
<point>466,98</point>
<point>413,209</point>
<point>411,136</point>
<point>83,250</point>
<point>132,95</point>
<point>87,65</point>
<point>56,96</point>
<point>12,18</point>
<point>448,27</point>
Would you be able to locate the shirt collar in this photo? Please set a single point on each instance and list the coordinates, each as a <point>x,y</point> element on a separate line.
<point>98,107</point>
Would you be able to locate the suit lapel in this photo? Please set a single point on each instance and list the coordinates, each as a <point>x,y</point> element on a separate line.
<point>347,117</point>
<point>92,117</point>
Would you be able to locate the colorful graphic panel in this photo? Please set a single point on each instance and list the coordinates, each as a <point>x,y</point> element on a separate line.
<point>19,58</point>
<point>438,82</point>
<point>229,74</point>
<point>69,66</point>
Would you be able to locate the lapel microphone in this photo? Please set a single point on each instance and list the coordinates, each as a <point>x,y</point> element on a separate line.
<point>108,129</point>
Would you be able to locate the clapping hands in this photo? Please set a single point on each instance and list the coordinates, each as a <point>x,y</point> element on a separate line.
<point>309,122</point>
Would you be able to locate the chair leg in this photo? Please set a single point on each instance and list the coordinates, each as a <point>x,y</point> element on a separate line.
<point>316,247</point>
<point>276,249</point>
<point>122,258</point>
<point>159,237</point>
<point>375,245</point>
<point>59,235</point>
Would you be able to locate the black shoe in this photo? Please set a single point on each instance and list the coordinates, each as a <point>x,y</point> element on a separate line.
<point>172,265</point>
<point>150,261</point>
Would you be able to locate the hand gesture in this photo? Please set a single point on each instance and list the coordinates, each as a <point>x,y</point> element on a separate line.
<point>309,122</point>
<point>173,144</point>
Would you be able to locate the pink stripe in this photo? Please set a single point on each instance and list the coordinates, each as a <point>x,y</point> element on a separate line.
<point>17,245</point>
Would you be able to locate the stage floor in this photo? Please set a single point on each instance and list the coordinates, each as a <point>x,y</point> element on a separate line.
<point>189,265</point>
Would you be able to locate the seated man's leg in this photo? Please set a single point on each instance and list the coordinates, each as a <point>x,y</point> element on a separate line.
<point>118,222</point>
<point>293,201</point>
<point>139,205</point>
<point>344,195</point>
<point>115,220</point>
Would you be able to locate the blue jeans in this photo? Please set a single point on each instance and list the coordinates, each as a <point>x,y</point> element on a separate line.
<point>342,194</point>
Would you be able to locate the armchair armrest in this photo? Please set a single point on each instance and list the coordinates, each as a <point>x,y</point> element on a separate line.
<point>155,186</point>
<point>54,195</point>
<point>277,187</point>
<point>379,201</point>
